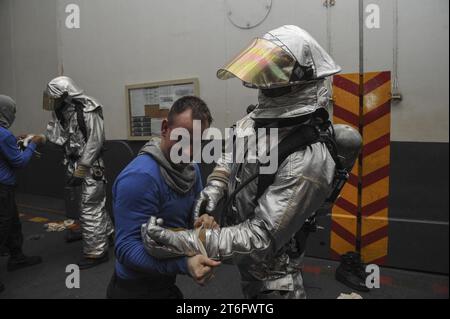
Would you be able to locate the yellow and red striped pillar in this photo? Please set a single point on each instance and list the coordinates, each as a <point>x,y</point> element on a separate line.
<point>360,215</point>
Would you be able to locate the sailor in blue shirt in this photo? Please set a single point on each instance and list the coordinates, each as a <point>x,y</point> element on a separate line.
<point>11,159</point>
<point>152,185</point>
<point>140,192</point>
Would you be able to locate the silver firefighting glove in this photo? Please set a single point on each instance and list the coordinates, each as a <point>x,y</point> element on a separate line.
<point>209,198</point>
<point>171,243</point>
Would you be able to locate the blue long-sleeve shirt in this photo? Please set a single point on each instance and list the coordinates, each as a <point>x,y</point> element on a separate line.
<point>140,192</point>
<point>11,157</point>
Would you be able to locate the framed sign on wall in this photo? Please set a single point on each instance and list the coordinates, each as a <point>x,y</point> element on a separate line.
<point>149,103</point>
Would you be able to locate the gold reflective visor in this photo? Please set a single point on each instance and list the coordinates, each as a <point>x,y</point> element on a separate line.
<point>263,64</point>
<point>50,103</point>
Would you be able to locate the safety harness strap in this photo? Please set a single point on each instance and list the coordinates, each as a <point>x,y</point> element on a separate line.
<point>319,130</point>
<point>299,139</point>
<point>80,120</point>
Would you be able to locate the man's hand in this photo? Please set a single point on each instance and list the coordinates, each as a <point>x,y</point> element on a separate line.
<point>39,139</point>
<point>207,222</point>
<point>201,268</point>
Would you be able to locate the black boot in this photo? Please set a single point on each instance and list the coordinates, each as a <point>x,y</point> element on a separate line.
<point>358,265</point>
<point>20,261</point>
<point>86,263</point>
<point>351,272</point>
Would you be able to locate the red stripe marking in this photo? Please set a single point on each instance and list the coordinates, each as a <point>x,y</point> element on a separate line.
<point>347,206</point>
<point>346,85</point>
<point>376,145</point>
<point>312,269</point>
<point>353,180</point>
<point>376,82</point>
<point>377,113</point>
<point>343,233</point>
<point>374,236</point>
<point>374,177</point>
<point>440,289</point>
<point>375,207</point>
<point>347,116</point>
<point>380,261</point>
<point>386,281</point>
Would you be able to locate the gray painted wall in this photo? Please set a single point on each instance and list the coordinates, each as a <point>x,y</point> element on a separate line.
<point>423,77</point>
<point>127,42</point>
<point>6,67</point>
<point>27,58</point>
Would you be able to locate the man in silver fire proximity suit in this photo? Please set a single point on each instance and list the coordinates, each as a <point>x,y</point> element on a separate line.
<point>77,126</point>
<point>289,68</point>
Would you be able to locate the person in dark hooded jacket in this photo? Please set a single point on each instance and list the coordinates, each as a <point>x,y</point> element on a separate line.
<point>11,159</point>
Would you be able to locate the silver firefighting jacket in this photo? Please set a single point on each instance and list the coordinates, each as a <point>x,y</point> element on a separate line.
<point>79,150</point>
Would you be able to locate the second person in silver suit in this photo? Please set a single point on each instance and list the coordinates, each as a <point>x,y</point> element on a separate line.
<point>77,127</point>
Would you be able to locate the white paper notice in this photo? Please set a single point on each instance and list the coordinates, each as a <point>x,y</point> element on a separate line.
<point>183,90</point>
<point>137,100</point>
<point>156,126</point>
<point>152,96</point>
<point>166,97</point>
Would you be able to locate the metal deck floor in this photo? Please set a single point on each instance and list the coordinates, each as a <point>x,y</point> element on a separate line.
<point>48,279</point>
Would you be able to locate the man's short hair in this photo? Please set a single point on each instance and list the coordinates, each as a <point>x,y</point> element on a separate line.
<point>200,110</point>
